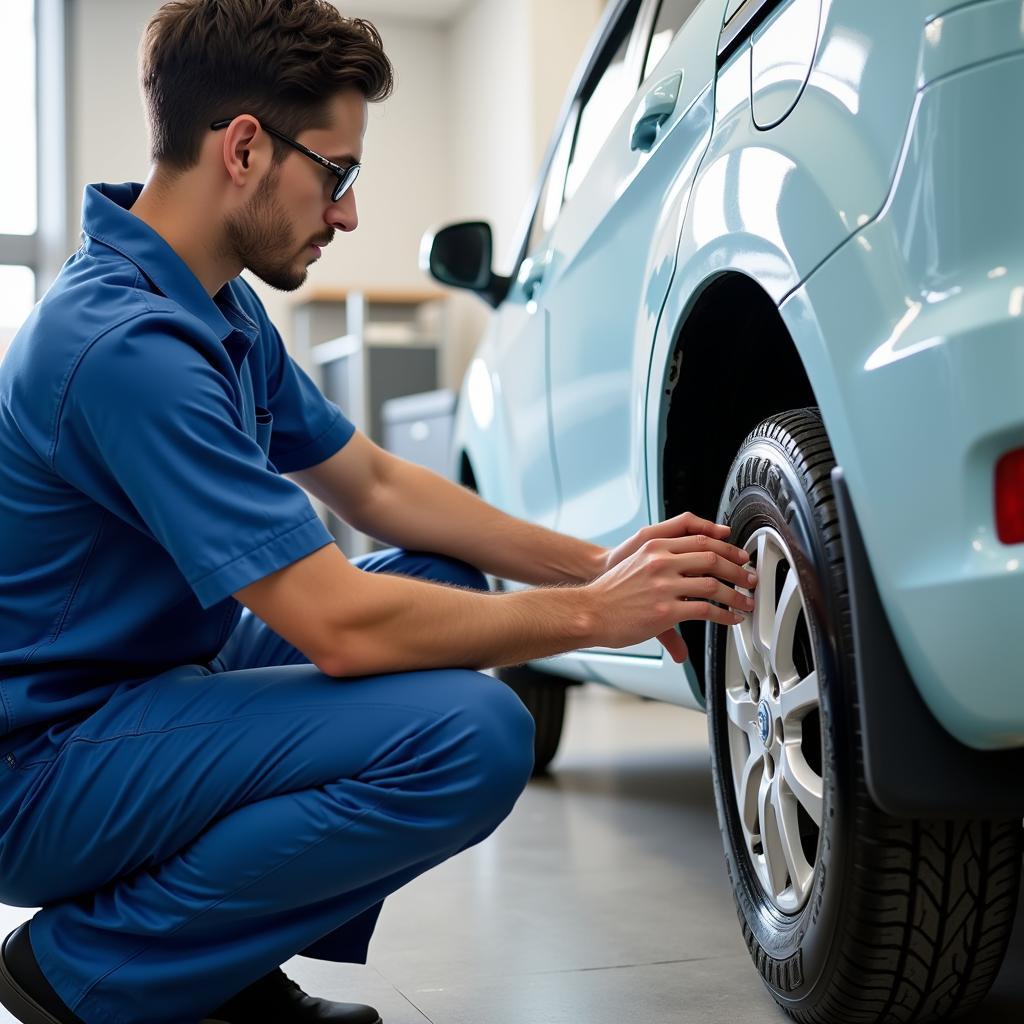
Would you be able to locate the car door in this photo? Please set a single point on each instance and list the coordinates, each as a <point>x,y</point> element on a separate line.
<point>518,355</point>
<point>635,152</point>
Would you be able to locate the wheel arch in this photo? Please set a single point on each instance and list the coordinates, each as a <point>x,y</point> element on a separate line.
<point>733,343</point>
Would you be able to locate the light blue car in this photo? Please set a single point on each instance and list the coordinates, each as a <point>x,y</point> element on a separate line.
<point>773,273</point>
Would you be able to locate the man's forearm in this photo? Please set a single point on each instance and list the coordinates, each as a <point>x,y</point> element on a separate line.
<point>400,624</point>
<point>419,510</point>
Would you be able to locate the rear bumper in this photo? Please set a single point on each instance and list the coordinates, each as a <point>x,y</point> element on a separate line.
<point>914,768</point>
<point>921,313</point>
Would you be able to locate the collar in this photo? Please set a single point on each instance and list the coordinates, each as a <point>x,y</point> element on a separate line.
<point>106,218</point>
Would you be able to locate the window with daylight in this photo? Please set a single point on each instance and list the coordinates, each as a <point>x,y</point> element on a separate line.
<point>32,246</point>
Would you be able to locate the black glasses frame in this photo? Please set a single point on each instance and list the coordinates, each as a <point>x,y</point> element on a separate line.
<point>346,175</point>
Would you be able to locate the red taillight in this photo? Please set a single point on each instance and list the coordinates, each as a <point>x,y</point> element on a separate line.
<point>1010,497</point>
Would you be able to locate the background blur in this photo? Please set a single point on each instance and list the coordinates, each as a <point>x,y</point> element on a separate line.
<point>478,87</point>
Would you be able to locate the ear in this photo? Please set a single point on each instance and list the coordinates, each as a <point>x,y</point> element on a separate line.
<point>245,149</point>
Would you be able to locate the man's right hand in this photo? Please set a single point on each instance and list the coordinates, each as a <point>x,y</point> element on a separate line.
<point>665,582</point>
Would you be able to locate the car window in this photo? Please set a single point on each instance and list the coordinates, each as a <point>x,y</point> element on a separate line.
<point>604,100</point>
<point>671,15</point>
<point>550,202</point>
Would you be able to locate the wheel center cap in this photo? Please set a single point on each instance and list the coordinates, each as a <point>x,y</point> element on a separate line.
<point>764,720</point>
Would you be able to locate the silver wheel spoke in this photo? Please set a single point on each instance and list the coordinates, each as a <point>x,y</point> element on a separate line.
<point>805,786</point>
<point>750,782</point>
<point>783,634</point>
<point>771,840</point>
<point>749,657</point>
<point>762,620</point>
<point>797,868</point>
<point>799,699</point>
<point>767,557</point>
<point>741,710</point>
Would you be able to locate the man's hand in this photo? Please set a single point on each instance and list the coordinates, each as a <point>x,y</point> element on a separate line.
<point>675,566</point>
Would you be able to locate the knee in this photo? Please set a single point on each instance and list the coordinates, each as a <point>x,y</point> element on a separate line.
<point>458,573</point>
<point>424,565</point>
<point>509,730</point>
<point>442,569</point>
<point>498,734</point>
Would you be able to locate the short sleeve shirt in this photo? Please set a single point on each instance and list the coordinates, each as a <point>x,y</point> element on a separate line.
<point>144,428</point>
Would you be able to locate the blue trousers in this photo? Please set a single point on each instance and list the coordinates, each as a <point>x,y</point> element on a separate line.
<point>203,826</point>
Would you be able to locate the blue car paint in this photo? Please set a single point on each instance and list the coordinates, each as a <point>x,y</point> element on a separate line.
<point>926,395</point>
<point>855,213</point>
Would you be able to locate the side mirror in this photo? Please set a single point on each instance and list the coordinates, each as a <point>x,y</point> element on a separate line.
<point>460,255</point>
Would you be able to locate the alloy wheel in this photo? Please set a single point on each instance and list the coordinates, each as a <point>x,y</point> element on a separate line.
<point>773,703</point>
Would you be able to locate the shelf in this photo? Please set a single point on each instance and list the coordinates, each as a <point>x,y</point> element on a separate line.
<point>387,296</point>
<point>366,347</point>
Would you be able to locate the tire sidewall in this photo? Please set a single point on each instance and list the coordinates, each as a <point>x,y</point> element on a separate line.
<point>792,953</point>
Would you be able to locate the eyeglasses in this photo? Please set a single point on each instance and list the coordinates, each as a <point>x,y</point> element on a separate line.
<point>346,175</point>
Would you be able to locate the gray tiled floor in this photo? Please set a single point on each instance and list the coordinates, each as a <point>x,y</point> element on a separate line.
<point>601,900</point>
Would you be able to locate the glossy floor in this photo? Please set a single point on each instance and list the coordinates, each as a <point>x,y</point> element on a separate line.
<point>601,900</point>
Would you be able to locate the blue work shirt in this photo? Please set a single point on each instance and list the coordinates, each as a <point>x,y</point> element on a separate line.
<point>143,429</point>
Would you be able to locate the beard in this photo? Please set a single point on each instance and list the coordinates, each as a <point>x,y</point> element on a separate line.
<point>261,238</point>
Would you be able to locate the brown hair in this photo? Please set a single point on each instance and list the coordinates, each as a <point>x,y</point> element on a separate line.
<point>282,60</point>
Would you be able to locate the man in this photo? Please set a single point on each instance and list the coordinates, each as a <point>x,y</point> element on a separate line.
<point>225,744</point>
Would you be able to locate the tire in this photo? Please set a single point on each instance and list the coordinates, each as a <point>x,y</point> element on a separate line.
<point>544,697</point>
<point>883,920</point>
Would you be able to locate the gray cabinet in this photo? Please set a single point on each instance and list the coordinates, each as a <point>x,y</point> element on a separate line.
<point>418,428</point>
<point>364,348</point>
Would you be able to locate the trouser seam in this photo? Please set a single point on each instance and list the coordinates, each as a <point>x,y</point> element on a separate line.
<point>51,763</point>
<point>236,718</point>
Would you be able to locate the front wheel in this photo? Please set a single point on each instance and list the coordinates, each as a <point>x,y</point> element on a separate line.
<point>849,915</point>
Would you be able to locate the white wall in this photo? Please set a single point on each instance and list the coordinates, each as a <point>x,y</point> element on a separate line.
<point>559,33</point>
<point>107,130</point>
<point>402,190</point>
<point>461,137</point>
<point>492,153</point>
<point>511,63</point>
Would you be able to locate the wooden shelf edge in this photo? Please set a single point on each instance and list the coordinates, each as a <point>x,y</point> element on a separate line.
<point>391,296</point>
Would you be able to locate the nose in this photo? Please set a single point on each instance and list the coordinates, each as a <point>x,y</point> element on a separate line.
<point>342,215</point>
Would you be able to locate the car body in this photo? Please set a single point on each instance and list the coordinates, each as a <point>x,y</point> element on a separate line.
<point>772,274</point>
<point>817,160</point>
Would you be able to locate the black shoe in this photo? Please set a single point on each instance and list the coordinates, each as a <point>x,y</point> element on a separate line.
<point>276,999</point>
<point>23,988</point>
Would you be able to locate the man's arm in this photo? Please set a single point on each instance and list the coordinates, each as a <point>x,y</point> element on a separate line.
<point>349,623</point>
<point>403,504</point>
<point>352,623</point>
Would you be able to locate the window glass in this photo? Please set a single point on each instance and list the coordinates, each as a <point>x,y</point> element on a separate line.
<point>551,194</point>
<point>18,86</point>
<point>671,15</point>
<point>601,109</point>
<point>17,297</point>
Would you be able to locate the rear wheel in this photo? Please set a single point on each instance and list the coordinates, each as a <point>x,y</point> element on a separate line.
<point>542,694</point>
<point>544,697</point>
<point>849,915</point>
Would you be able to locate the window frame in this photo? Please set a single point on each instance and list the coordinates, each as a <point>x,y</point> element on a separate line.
<point>44,251</point>
<point>654,12</point>
<point>561,154</point>
<point>589,70</point>
<point>604,55</point>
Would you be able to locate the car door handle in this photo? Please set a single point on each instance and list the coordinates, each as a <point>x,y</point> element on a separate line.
<point>533,275</point>
<point>654,111</point>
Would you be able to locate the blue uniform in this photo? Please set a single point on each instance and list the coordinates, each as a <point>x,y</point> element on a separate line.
<point>186,797</point>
